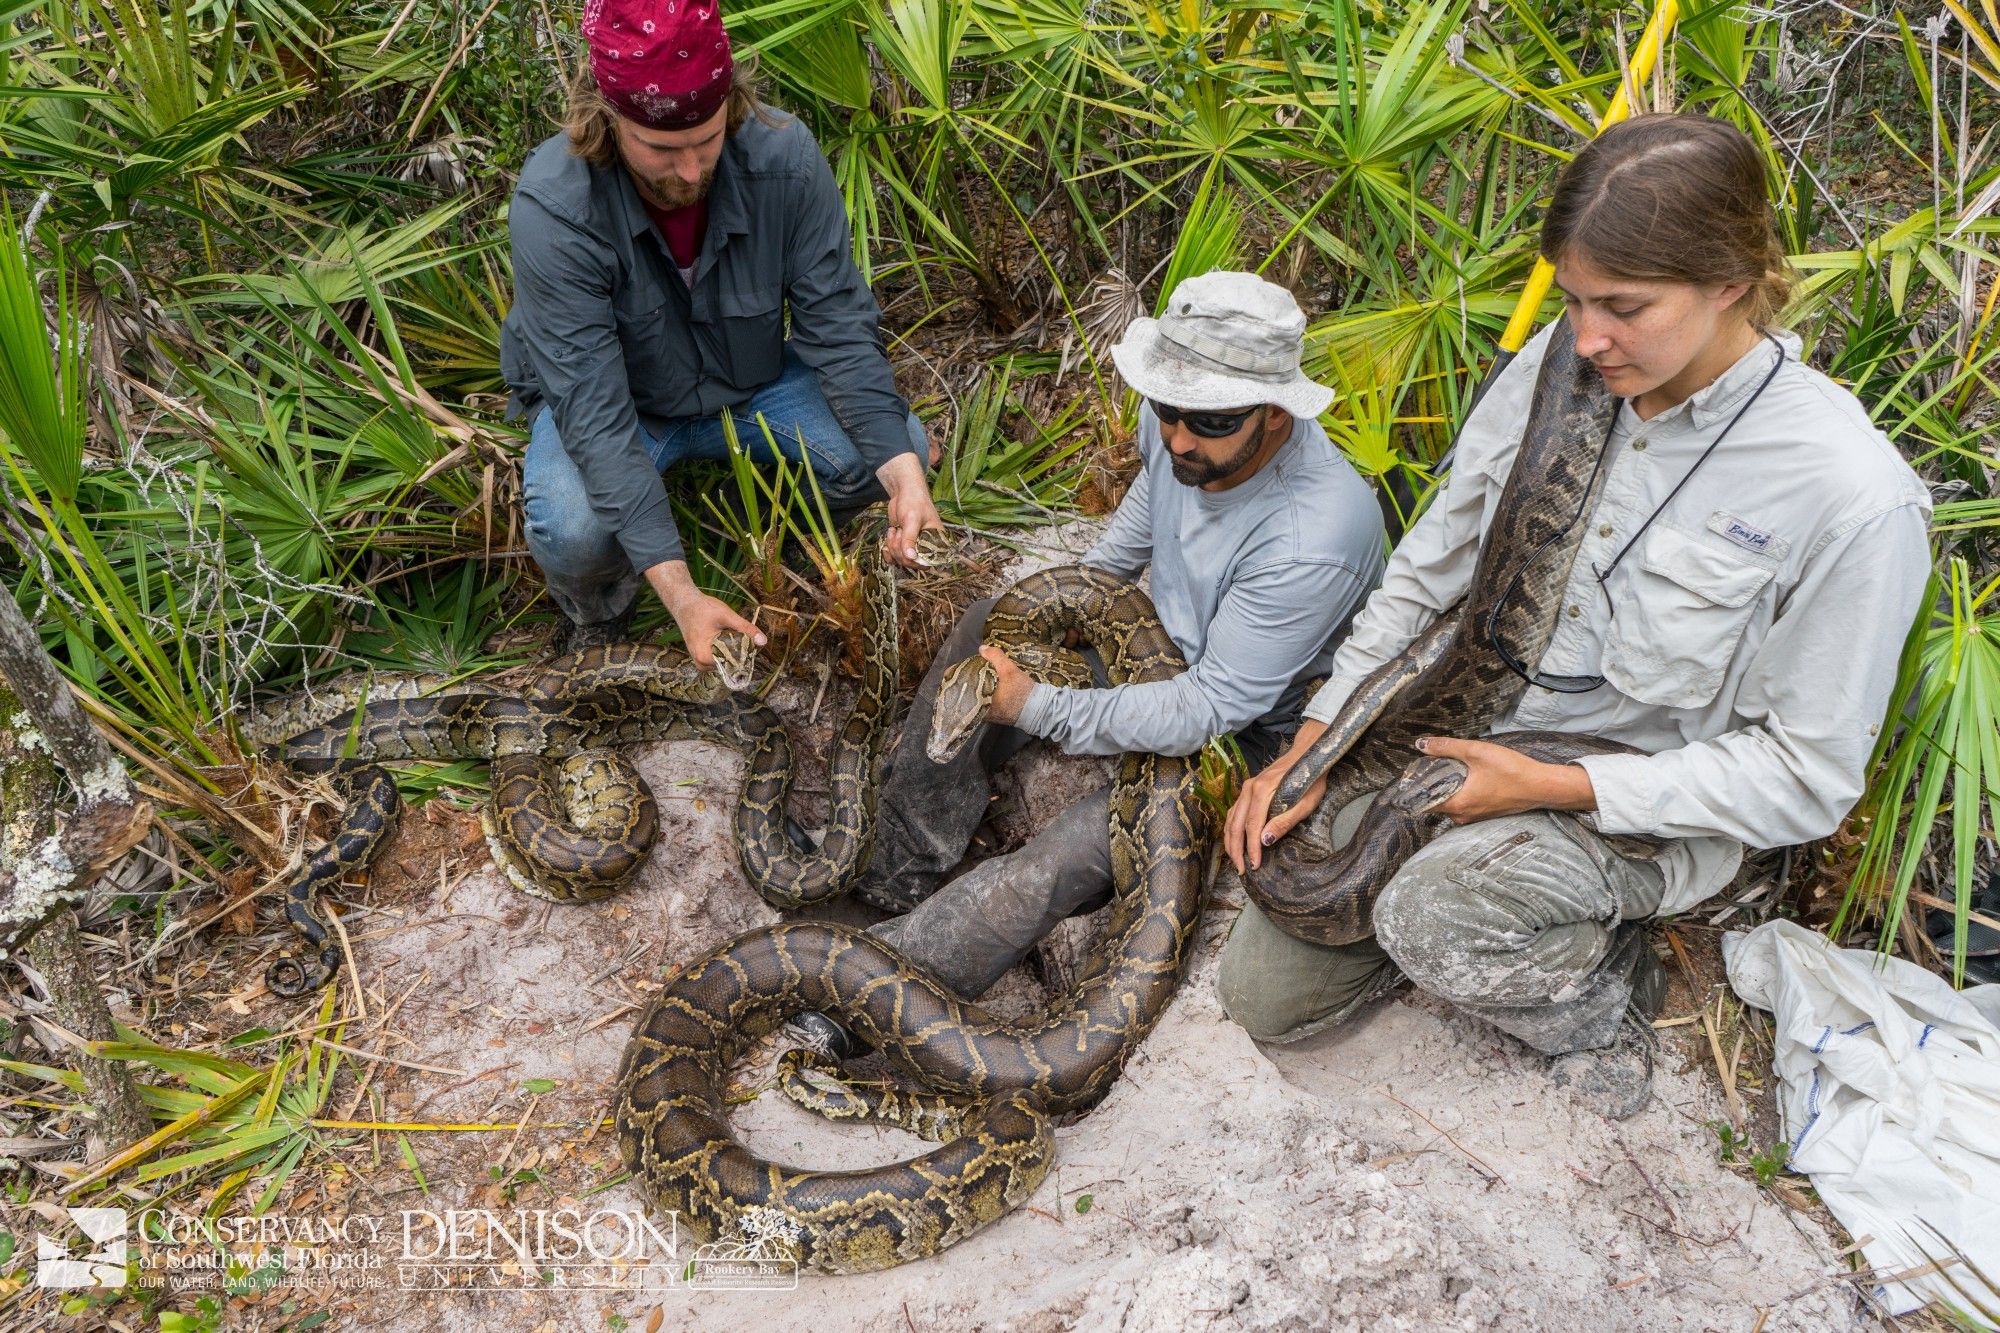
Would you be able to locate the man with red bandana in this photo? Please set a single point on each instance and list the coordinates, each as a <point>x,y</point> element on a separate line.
<point>660,241</point>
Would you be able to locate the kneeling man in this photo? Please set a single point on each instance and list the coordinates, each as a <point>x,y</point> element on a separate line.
<point>1262,541</point>
<point>661,242</point>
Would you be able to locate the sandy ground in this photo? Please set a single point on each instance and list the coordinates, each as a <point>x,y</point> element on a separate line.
<point>1414,1170</point>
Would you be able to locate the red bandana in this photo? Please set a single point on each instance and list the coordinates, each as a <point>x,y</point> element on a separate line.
<point>662,63</point>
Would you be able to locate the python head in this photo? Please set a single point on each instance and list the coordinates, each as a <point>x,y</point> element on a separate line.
<point>735,659</point>
<point>963,697</point>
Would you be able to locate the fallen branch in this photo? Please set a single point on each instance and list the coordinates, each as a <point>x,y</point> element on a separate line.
<point>42,872</point>
<point>1724,1069</point>
<point>52,873</point>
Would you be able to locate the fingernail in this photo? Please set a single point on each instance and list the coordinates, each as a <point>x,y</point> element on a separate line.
<point>1267,840</point>
<point>761,641</point>
<point>1423,745</point>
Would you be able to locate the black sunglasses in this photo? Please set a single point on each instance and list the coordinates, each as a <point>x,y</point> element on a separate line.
<point>1560,684</point>
<point>1208,425</point>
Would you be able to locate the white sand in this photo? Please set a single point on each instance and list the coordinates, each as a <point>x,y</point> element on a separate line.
<point>1414,1170</point>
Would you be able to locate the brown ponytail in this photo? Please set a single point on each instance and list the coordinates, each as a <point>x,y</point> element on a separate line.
<point>1673,197</point>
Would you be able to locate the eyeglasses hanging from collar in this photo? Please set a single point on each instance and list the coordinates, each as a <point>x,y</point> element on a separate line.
<point>1585,684</point>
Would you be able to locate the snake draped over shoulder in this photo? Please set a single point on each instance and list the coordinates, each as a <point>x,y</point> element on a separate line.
<point>1003,1080</point>
<point>1450,681</point>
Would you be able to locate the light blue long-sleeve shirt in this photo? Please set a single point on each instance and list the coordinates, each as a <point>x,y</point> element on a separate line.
<point>1748,641</point>
<point>1254,584</point>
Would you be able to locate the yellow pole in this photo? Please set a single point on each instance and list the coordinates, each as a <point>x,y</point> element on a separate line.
<point>1651,42</point>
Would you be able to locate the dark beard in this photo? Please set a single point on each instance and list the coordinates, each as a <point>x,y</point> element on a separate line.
<point>1195,471</point>
<point>673,192</point>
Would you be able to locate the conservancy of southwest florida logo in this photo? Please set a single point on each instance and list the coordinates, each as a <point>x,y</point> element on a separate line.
<point>103,1266</point>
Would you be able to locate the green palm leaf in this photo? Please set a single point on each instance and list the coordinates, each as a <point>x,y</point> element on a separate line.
<point>43,415</point>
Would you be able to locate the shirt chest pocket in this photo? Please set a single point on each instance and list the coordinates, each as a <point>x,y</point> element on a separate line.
<point>1675,631</point>
<point>641,312</point>
<point>751,328</point>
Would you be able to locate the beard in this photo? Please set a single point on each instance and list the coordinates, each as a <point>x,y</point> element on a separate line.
<point>1195,470</point>
<point>673,192</point>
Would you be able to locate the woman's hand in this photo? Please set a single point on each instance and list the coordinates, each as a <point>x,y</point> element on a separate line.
<point>1500,781</point>
<point>1248,830</point>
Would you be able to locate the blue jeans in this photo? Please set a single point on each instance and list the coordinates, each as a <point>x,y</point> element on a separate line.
<point>584,567</point>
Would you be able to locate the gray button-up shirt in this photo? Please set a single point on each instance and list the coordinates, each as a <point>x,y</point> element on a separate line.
<point>605,333</point>
<point>1748,640</point>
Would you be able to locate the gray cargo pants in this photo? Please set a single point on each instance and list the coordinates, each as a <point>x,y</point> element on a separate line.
<point>973,929</point>
<point>1510,919</point>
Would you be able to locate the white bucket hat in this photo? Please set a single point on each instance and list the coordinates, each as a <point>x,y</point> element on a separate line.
<point>1226,340</point>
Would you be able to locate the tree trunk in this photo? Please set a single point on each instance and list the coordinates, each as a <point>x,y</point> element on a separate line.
<point>110,818</point>
<point>41,874</point>
<point>122,1119</point>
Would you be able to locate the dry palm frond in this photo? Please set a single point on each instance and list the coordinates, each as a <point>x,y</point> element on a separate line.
<point>445,160</point>
<point>1976,1288</point>
<point>930,601</point>
<point>1109,306</point>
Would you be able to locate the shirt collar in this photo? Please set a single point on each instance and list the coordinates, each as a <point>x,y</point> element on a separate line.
<point>728,202</point>
<point>625,195</point>
<point>1734,385</point>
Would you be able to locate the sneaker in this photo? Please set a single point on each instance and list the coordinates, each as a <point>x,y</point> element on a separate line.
<point>1649,981</point>
<point>819,1033</point>
<point>572,637</point>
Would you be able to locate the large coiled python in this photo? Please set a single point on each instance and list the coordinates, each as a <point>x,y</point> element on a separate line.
<point>1449,681</point>
<point>569,819</point>
<point>1008,1078</point>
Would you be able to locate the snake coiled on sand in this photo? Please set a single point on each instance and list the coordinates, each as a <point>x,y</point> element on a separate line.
<point>1450,681</point>
<point>570,819</point>
<point>1005,1079</point>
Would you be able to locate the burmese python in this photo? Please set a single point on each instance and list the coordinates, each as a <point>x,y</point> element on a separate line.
<point>570,820</point>
<point>1449,681</point>
<point>1006,1079</point>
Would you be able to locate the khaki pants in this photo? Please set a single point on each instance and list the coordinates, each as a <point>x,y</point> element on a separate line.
<point>1510,919</point>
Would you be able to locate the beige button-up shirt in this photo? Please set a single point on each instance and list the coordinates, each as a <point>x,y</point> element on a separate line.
<point>1748,640</point>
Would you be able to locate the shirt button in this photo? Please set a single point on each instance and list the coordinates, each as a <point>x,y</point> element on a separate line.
<point>1604,529</point>
<point>1575,610</point>
<point>1639,445</point>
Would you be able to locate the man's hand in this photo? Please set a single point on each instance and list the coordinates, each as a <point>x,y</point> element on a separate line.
<point>910,507</point>
<point>1248,831</point>
<point>1011,695</point>
<point>1500,781</point>
<point>699,616</point>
